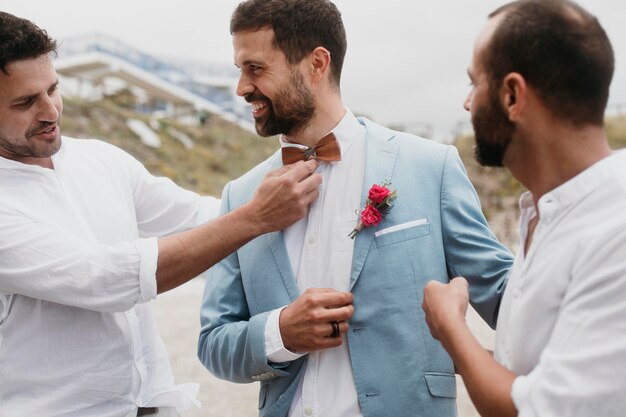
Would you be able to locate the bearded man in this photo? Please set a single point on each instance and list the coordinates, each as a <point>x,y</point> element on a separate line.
<point>326,314</point>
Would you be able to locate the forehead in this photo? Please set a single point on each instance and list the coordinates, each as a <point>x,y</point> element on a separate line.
<point>254,46</point>
<point>28,76</point>
<point>482,42</point>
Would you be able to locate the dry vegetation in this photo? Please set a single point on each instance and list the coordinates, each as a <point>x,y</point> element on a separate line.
<point>221,152</point>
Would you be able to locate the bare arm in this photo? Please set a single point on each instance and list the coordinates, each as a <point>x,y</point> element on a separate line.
<point>488,383</point>
<point>282,198</point>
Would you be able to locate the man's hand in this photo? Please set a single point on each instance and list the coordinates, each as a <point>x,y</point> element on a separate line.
<point>305,324</point>
<point>284,196</point>
<point>445,306</point>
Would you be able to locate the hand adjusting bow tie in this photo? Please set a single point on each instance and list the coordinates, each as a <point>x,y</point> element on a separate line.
<point>327,149</point>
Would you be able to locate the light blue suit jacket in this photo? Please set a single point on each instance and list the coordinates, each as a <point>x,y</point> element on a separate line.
<point>399,369</point>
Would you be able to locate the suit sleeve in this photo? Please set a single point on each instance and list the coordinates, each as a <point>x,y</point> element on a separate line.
<point>232,343</point>
<point>471,249</point>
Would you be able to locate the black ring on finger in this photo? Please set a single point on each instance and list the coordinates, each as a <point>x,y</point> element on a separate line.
<point>336,332</point>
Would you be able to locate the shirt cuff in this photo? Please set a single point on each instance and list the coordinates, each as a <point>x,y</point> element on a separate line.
<point>274,348</point>
<point>520,390</point>
<point>148,250</point>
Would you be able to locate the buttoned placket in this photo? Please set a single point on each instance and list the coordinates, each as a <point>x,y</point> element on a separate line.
<point>547,211</point>
<point>310,277</point>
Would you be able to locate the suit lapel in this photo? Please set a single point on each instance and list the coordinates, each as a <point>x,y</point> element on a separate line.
<point>276,243</point>
<point>380,160</point>
<point>277,246</point>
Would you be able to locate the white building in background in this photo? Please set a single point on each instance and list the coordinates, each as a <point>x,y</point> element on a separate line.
<point>97,65</point>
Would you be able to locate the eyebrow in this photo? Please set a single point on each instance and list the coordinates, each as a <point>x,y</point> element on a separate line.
<point>28,97</point>
<point>252,62</point>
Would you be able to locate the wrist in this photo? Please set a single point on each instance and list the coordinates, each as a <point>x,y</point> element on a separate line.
<point>454,333</point>
<point>250,220</point>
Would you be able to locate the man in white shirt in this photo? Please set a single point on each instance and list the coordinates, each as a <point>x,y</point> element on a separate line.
<point>88,238</point>
<point>331,325</point>
<point>541,72</point>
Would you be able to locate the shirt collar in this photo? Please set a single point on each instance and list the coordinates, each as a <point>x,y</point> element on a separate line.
<point>573,190</point>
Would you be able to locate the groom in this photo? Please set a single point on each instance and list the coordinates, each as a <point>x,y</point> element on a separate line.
<point>330,325</point>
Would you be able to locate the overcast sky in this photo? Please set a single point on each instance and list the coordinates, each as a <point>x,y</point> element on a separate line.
<point>406,62</point>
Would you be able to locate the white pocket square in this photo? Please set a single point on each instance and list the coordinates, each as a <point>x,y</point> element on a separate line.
<point>401,226</point>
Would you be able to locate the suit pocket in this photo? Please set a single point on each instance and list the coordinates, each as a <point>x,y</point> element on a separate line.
<point>402,232</point>
<point>441,384</point>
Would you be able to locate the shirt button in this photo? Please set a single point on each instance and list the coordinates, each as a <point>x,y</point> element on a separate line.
<point>311,240</point>
<point>308,411</point>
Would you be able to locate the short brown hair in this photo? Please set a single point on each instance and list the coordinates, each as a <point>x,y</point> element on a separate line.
<point>561,50</point>
<point>22,39</point>
<point>299,27</point>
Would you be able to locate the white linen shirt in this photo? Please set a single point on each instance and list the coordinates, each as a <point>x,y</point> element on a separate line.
<point>562,322</point>
<point>320,249</point>
<point>77,337</point>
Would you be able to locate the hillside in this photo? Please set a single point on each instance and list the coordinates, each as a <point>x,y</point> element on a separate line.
<point>222,152</point>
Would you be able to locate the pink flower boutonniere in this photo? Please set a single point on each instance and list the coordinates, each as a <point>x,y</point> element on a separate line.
<point>379,202</point>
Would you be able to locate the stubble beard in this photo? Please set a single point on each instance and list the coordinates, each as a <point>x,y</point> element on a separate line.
<point>32,148</point>
<point>290,112</point>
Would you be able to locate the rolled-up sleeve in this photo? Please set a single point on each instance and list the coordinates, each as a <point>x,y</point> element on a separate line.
<point>148,250</point>
<point>42,261</point>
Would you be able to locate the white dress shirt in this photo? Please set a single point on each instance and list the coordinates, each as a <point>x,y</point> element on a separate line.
<point>77,336</point>
<point>562,322</point>
<point>321,251</point>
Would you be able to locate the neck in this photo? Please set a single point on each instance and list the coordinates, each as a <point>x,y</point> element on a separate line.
<point>328,114</point>
<point>545,160</point>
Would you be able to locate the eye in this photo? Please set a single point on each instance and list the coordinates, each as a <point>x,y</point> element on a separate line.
<point>24,104</point>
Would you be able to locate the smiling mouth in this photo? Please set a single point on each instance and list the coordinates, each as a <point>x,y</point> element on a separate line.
<point>258,107</point>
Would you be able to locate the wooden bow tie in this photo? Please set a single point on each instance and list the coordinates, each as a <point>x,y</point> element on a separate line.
<point>326,149</point>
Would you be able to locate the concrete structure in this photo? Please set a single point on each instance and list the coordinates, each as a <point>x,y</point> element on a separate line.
<point>96,65</point>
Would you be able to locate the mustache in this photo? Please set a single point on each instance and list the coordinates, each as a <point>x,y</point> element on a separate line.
<point>41,127</point>
<point>250,97</point>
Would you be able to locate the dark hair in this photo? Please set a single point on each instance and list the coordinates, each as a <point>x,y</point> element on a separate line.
<point>299,27</point>
<point>561,50</point>
<point>21,39</point>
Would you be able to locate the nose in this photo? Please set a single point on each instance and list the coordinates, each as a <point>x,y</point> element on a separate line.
<point>244,86</point>
<point>50,108</point>
<point>468,101</point>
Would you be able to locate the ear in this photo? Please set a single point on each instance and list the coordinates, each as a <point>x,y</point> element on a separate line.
<point>513,95</point>
<point>320,63</point>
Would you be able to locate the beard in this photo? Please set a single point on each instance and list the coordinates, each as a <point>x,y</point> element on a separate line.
<point>25,147</point>
<point>291,110</point>
<point>493,132</point>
